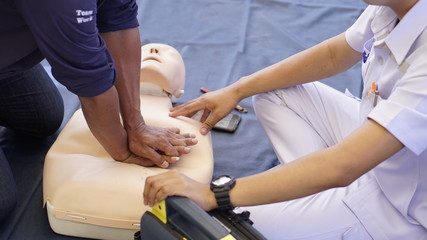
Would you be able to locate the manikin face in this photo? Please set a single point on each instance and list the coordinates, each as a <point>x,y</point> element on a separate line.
<point>162,65</point>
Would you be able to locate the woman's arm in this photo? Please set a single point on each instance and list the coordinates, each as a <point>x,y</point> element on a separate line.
<point>323,60</point>
<point>326,59</point>
<point>336,166</point>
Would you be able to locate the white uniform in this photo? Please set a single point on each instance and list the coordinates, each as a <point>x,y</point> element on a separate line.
<point>389,202</point>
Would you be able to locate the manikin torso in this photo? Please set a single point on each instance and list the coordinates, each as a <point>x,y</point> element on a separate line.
<point>87,193</point>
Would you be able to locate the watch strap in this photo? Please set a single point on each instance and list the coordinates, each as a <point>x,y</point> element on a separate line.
<point>223,199</point>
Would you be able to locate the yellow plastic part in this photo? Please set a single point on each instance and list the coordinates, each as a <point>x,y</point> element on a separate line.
<point>228,237</point>
<point>159,209</point>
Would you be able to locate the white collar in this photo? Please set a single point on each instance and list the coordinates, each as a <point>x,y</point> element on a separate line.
<point>403,36</point>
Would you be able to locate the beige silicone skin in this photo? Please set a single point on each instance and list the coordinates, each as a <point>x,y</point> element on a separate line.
<point>88,194</point>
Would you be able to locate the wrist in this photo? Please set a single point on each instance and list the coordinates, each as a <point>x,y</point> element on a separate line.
<point>131,125</point>
<point>120,152</point>
<point>221,187</point>
<point>237,89</point>
<point>211,200</point>
<point>123,157</point>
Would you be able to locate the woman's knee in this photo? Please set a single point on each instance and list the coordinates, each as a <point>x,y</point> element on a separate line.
<point>260,101</point>
<point>276,97</point>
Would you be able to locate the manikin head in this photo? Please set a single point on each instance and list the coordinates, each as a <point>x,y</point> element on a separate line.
<point>162,70</point>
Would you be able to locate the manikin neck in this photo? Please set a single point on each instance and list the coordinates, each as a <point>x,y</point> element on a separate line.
<point>147,88</point>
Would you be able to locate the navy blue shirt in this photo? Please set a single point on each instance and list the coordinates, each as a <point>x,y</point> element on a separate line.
<point>66,33</point>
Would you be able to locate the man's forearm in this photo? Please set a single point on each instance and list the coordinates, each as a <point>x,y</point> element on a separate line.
<point>103,112</point>
<point>102,115</point>
<point>125,47</point>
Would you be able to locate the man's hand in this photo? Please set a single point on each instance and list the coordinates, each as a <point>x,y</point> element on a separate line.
<point>132,142</point>
<point>157,146</point>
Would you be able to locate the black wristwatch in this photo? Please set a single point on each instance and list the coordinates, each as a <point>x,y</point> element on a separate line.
<point>221,187</point>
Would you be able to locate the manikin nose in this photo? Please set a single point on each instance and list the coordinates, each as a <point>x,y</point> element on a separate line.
<point>154,50</point>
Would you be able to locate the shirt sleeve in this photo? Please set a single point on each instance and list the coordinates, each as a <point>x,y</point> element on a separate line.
<point>114,15</point>
<point>67,34</point>
<point>360,31</point>
<point>404,113</point>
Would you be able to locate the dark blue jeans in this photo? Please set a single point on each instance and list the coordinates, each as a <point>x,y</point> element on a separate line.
<point>30,104</point>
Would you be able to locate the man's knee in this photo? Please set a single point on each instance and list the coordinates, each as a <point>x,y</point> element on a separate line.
<point>52,123</point>
<point>8,192</point>
<point>8,202</point>
<point>44,124</point>
<point>35,122</point>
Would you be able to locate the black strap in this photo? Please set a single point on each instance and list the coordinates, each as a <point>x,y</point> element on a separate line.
<point>239,224</point>
<point>223,200</point>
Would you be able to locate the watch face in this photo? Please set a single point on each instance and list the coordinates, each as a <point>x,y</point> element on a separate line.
<point>221,180</point>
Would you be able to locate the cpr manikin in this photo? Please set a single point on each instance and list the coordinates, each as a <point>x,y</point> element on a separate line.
<point>86,192</point>
<point>162,71</point>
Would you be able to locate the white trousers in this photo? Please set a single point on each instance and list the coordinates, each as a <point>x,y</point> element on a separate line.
<point>300,120</point>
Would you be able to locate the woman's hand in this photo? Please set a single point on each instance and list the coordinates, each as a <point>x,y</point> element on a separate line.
<point>215,105</point>
<point>173,183</point>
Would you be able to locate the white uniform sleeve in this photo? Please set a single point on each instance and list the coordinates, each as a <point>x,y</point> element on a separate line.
<point>404,113</point>
<point>360,31</point>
